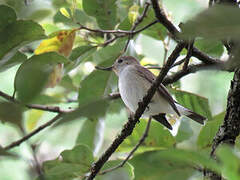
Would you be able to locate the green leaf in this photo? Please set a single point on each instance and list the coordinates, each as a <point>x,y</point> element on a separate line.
<point>230,162</point>
<point>158,137</point>
<point>17,34</point>
<point>211,47</point>
<point>218,22</point>
<point>185,131</point>
<point>169,164</point>
<point>91,110</point>
<point>7,16</point>
<point>208,131</point>
<point>193,102</point>
<point>150,166</point>
<point>124,173</point>
<point>89,128</point>
<point>79,55</point>
<point>5,153</point>
<point>33,75</point>
<point>75,163</point>
<point>14,60</point>
<point>102,10</point>
<point>10,112</point>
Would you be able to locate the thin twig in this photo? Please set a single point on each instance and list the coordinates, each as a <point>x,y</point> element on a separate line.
<point>130,125</point>
<point>136,23</point>
<point>54,109</point>
<point>189,54</point>
<point>18,142</point>
<point>141,140</point>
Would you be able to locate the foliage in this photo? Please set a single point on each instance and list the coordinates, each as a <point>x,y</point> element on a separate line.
<point>53,57</point>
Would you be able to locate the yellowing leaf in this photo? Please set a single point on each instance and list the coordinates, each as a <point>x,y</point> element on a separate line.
<point>133,13</point>
<point>32,119</point>
<point>61,42</point>
<point>65,12</point>
<point>147,61</point>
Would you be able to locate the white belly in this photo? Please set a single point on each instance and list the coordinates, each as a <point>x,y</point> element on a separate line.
<point>132,90</point>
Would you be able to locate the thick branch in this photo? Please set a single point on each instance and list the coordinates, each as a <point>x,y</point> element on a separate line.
<point>129,126</point>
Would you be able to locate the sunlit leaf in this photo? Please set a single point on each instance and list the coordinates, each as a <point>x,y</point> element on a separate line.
<point>230,162</point>
<point>184,131</point>
<point>32,76</point>
<point>32,119</point>
<point>102,10</point>
<point>133,13</point>
<point>208,132</point>
<point>10,112</point>
<point>218,22</point>
<point>211,47</point>
<point>65,12</point>
<point>193,102</point>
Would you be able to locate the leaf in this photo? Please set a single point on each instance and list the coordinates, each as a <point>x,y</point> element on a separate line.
<point>102,10</point>
<point>17,34</point>
<point>8,154</point>
<point>184,131</point>
<point>10,112</point>
<point>230,162</point>
<point>124,173</point>
<point>75,163</point>
<point>91,110</point>
<point>89,128</point>
<point>32,76</point>
<point>218,22</point>
<point>169,164</point>
<point>208,131</point>
<point>193,102</point>
<point>158,137</point>
<point>79,55</point>
<point>7,16</point>
<point>14,60</point>
<point>211,47</point>
<point>32,119</point>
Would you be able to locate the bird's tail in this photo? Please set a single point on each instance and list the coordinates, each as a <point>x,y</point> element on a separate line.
<point>192,115</point>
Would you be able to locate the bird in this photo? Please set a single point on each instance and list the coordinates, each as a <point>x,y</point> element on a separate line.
<point>134,80</point>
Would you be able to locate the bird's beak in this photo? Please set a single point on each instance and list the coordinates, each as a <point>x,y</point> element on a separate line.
<point>104,68</point>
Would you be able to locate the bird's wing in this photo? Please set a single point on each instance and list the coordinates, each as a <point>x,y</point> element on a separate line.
<point>162,90</point>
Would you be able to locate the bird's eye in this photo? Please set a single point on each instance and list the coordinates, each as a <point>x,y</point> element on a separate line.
<point>120,61</point>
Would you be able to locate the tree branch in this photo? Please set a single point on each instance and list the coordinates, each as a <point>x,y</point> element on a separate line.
<point>129,126</point>
<point>54,109</point>
<point>141,140</point>
<point>18,142</point>
<point>174,31</point>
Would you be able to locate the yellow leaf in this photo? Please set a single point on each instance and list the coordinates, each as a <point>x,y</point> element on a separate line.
<point>33,117</point>
<point>147,61</point>
<point>65,12</point>
<point>133,13</point>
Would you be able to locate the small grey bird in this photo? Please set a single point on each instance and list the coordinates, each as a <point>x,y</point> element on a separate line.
<point>134,82</point>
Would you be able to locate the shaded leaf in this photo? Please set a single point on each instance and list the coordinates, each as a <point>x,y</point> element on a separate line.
<point>193,102</point>
<point>8,154</point>
<point>7,16</point>
<point>102,10</point>
<point>124,173</point>
<point>218,22</point>
<point>32,76</point>
<point>90,110</point>
<point>209,131</point>
<point>14,60</point>
<point>89,128</point>
<point>10,112</point>
<point>184,131</point>
<point>17,34</point>
<point>75,163</point>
